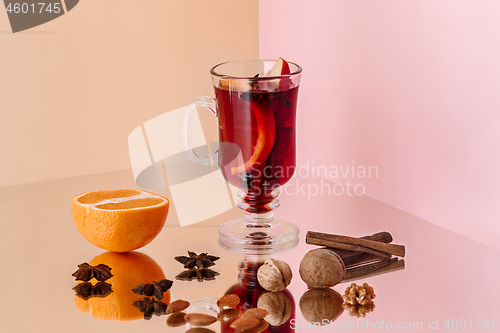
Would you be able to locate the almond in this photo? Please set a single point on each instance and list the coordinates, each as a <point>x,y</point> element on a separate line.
<point>177,306</point>
<point>263,325</point>
<point>256,313</point>
<point>177,319</point>
<point>200,319</point>
<point>199,330</point>
<point>227,314</point>
<point>244,323</point>
<point>228,301</point>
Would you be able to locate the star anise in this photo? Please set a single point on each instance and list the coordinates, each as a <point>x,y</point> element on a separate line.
<point>199,274</point>
<point>87,290</point>
<point>155,288</point>
<point>86,272</point>
<point>150,306</point>
<point>201,261</point>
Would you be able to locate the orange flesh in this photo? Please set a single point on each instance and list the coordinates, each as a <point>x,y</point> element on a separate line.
<point>95,197</point>
<point>136,203</point>
<point>266,133</point>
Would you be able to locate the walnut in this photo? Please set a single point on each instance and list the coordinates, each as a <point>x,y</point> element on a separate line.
<point>358,299</point>
<point>359,310</point>
<point>318,305</point>
<point>322,268</point>
<point>274,275</point>
<point>278,306</point>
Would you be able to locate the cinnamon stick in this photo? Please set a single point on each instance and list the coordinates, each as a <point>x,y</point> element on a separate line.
<point>343,246</point>
<point>354,244</point>
<point>383,237</point>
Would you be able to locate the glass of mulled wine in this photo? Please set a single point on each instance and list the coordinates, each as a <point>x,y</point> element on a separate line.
<point>255,102</point>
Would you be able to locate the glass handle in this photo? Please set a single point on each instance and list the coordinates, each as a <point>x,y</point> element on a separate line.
<point>188,130</point>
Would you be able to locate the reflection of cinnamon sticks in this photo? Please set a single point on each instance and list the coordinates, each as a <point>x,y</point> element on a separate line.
<point>377,268</point>
<point>360,259</point>
<point>355,244</point>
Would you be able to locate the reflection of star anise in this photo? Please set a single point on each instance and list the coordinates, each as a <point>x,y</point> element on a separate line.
<point>86,290</point>
<point>199,274</point>
<point>86,272</point>
<point>203,260</point>
<point>150,306</point>
<point>155,289</point>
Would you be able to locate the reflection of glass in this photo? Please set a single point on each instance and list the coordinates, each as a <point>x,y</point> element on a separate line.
<point>129,270</point>
<point>257,149</point>
<point>251,293</point>
<point>205,305</point>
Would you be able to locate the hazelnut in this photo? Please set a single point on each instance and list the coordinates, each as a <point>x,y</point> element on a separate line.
<point>318,305</point>
<point>322,268</point>
<point>278,306</point>
<point>274,275</point>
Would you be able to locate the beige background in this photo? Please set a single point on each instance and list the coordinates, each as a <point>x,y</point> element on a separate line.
<point>73,89</point>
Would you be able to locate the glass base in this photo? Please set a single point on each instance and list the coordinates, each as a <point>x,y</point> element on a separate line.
<point>258,238</point>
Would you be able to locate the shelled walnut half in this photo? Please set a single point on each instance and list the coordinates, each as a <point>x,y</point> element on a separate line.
<point>358,299</point>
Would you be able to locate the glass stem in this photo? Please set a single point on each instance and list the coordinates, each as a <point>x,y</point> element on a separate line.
<point>259,202</point>
<point>258,220</point>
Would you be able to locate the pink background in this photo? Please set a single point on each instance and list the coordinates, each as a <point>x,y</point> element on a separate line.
<point>412,87</point>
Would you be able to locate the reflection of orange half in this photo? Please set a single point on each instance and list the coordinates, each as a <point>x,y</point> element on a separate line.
<point>129,270</point>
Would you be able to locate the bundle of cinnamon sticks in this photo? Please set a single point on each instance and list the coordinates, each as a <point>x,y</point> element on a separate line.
<point>365,256</point>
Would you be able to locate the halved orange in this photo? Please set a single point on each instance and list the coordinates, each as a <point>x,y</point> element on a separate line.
<point>119,220</point>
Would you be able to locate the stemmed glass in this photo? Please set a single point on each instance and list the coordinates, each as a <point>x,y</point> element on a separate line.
<point>256,154</point>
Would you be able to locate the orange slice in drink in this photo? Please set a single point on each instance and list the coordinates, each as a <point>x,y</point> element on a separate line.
<point>235,85</point>
<point>119,220</point>
<point>266,134</point>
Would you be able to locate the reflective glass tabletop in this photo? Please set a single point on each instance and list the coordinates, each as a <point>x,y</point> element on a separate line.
<point>445,282</point>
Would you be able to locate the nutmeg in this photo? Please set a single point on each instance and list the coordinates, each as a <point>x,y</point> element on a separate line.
<point>274,275</point>
<point>322,268</point>
<point>320,305</point>
<point>278,306</point>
